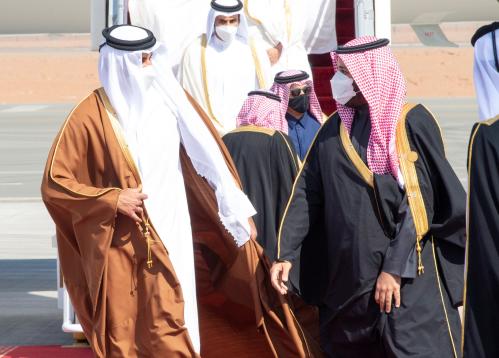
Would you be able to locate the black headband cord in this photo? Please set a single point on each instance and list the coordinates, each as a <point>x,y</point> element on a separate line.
<point>494,49</point>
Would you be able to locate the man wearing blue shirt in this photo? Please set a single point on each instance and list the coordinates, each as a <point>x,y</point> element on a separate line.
<point>301,107</point>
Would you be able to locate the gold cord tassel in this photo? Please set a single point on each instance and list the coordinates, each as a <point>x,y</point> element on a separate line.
<point>147,235</point>
<point>420,259</point>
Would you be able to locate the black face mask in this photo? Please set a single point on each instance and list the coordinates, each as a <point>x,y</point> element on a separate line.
<point>300,103</point>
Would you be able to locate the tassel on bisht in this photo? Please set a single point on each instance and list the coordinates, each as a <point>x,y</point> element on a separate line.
<point>420,259</point>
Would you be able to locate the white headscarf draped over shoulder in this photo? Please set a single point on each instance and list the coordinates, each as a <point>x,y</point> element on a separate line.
<point>486,70</point>
<point>148,100</point>
<point>125,83</point>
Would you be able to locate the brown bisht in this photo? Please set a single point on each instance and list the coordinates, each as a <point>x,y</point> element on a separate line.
<point>127,309</point>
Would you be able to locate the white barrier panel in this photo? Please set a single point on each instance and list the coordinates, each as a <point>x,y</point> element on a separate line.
<point>69,320</point>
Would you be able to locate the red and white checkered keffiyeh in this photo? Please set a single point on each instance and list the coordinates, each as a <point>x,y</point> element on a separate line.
<point>283,91</point>
<point>261,111</point>
<point>382,84</point>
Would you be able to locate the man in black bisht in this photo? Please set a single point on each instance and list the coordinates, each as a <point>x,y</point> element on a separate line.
<point>266,162</point>
<point>481,311</point>
<point>378,215</point>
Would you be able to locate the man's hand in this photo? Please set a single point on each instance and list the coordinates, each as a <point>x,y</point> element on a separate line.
<point>274,53</point>
<point>253,231</point>
<point>279,274</point>
<point>130,203</point>
<point>387,285</point>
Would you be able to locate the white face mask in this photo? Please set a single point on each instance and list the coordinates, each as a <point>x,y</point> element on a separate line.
<point>342,87</point>
<point>226,32</point>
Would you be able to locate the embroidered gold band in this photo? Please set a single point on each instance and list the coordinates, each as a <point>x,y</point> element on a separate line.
<point>354,157</point>
<point>407,158</point>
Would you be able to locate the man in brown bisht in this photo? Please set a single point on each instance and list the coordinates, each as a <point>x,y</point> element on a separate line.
<point>155,238</point>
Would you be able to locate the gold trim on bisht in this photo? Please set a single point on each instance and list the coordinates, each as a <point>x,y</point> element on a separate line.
<point>354,157</point>
<point>281,224</point>
<point>296,160</point>
<point>258,67</point>
<point>470,162</point>
<point>56,149</point>
<point>439,284</point>
<point>407,158</point>
<point>204,77</point>
<point>270,132</point>
<point>253,128</point>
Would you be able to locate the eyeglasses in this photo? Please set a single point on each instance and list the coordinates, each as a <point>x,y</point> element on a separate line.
<point>295,92</point>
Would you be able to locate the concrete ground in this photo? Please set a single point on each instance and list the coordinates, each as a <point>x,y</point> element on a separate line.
<point>28,303</point>
<point>456,117</point>
<point>28,277</point>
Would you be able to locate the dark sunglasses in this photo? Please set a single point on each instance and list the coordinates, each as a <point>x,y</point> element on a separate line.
<point>295,92</point>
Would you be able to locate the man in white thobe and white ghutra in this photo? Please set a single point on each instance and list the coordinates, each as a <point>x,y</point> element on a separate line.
<point>221,66</point>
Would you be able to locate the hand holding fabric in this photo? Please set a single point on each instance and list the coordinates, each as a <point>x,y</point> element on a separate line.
<point>130,202</point>
<point>279,274</point>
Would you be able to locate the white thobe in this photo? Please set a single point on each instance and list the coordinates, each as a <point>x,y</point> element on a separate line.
<point>281,21</point>
<point>167,201</point>
<point>301,27</point>
<point>230,73</point>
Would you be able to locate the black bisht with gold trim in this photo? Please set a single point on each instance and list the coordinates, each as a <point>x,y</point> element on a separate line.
<point>267,164</point>
<point>341,218</point>
<point>481,310</point>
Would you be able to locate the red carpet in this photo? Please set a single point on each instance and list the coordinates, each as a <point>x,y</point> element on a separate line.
<point>45,352</point>
<point>322,66</point>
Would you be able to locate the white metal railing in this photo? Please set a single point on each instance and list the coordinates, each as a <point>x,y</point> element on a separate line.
<point>373,17</point>
<point>69,320</point>
<point>104,14</point>
<point>364,17</point>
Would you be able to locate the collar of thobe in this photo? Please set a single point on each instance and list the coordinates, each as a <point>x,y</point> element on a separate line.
<point>293,122</point>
